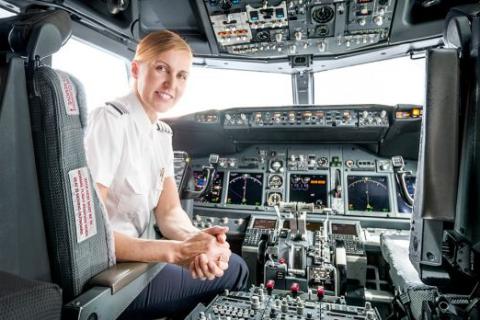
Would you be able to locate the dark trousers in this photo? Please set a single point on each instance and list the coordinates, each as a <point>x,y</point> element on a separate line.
<point>174,293</point>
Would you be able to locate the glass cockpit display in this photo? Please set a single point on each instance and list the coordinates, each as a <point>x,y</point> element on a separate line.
<point>245,188</point>
<point>215,194</point>
<point>309,188</point>
<point>368,193</point>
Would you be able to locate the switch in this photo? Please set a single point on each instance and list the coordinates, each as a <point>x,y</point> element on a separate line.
<point>270,286</point>
<point>294,289</point>
<point>320,292</point>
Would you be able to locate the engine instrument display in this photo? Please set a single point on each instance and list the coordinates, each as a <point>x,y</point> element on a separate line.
<point>264,223</point>
<point>215,194</point>
<point>343,228</point>
<point>403,206</point>
<point>368,193</point>
<point>245,188</point>
<point>309,188</point>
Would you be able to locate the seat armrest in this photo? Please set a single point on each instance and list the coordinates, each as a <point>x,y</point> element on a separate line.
<point>120,275</point>
<point>121,285</point>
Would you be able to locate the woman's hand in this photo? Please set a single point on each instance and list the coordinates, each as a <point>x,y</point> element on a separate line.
<point>204,268</point>
<point>206,253</point>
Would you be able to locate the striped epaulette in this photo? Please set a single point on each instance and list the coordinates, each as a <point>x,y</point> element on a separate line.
<point>117,107</point>
<point>163,127</point>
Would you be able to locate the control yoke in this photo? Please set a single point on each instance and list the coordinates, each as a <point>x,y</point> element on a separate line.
<point>400,174</point>
<point>208,173</point>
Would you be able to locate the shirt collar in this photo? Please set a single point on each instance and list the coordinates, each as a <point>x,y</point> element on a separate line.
<point>138,113</point>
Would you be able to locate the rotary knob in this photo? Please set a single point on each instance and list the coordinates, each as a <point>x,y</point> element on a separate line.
<point>255,302</point>
<point>322,46</point>
<point>298,35</point>
<point>378,20</point>
<point>279,37</point>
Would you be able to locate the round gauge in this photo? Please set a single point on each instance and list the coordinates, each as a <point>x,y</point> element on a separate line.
<point>276,165</point>
<point>322,14</point>
<point>274,199</point>
<point>263,36</point>
<point>275,181</point>
<point>245,188</point>
<point>321,31</point>
<point>368,193</point>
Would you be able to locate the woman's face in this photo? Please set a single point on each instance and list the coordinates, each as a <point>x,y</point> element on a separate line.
<point>160,83</point>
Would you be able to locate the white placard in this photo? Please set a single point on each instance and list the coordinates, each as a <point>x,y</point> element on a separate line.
<point>69,94</point>
<point>83,203</point>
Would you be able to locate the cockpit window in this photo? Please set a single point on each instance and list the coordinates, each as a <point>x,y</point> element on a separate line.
<point>390,82</point>
<point>222,89</point>
<point>103,75</point>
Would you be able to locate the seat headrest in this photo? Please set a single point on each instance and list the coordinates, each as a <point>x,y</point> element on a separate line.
<point>38,34</point>
<point>458,29</point>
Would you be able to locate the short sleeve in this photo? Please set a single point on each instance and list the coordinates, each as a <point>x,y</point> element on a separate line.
<point>104,143</point>
<point>170,165</point>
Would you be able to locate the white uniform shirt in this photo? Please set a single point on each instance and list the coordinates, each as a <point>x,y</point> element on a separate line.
<point>131,156</point>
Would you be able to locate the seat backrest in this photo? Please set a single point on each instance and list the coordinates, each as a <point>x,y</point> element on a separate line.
<point>23,248</point>
<point>79,239</point>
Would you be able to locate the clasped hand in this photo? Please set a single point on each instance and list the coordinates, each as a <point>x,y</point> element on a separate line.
<point>207,253</point>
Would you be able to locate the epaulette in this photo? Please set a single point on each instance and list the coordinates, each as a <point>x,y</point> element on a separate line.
<point>118,107</point>
<point>163,127</point>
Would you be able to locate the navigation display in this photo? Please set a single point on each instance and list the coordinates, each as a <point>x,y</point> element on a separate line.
<point>245,188</point>
<point>309,188</point>
<point>368,193</point>
<point>264,223</point>
<point>404,207</point>
<point>215,194</point>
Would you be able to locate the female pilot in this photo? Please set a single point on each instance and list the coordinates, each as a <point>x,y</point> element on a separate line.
<point>129,153</point>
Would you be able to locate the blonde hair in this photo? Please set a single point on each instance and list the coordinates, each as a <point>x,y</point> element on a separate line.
<point>158,42</point>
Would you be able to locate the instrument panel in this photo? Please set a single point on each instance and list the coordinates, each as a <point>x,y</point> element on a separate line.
<point>275,28</point>
<point>345,179</point>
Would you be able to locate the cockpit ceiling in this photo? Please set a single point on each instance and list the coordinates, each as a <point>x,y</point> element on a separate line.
<point>270,30</point>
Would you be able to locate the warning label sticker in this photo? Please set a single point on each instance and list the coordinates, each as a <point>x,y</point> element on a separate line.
<point>83,203</point>
<point>69,94</point>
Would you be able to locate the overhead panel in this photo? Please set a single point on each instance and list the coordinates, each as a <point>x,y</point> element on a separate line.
<point>264,29</point>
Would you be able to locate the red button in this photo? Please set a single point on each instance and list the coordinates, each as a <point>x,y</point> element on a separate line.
<point>282,261</point>
<point>270,284</point>
<point>295,288</point>
<point>320,292</point>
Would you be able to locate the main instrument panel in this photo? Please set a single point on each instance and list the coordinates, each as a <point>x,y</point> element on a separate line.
<point>268,28</point>
<point>343,179</point>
